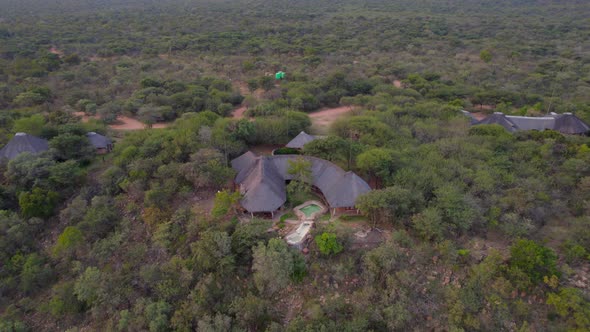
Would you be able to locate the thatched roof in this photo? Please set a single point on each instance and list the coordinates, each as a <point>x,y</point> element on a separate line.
<point>568,123</point>
<point>300,140</point>
<point>262,181</point>
<point>532,123</point>
<point>98,141</point>
<point>565,123</point>
<point>264,188</point>
<point>23,142</point>
<point>471,117</point>
<point>500,119</point>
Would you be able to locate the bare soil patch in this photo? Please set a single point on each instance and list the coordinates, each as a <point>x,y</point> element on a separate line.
<point>85,117</point>
<point>264,149</point>
<point>54,50</point>
<point>127,123</point>
<point>123,122</point>
<point>484,107</point>
<point>323,118</point>
<point>479,115</point>
<point>238,113</point>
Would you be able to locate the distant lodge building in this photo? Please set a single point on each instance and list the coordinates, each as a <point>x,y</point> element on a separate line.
<point>23,142</point>
<point>101,143</point>
<point>301,139</point>
<point>565,123</point>
<point>262,182</point>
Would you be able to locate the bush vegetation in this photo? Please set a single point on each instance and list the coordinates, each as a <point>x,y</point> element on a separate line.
<point>482,229</point>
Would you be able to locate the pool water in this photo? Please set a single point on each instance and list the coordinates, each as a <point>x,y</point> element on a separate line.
<point>310,209</point>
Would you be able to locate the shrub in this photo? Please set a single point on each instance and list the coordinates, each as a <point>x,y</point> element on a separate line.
<point>281,151</point>
<point>533,260</point>
<point>68,240</point>
<point>38,203</point>
<point>328,243</point>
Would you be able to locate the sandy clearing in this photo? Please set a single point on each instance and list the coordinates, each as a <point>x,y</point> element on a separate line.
<point>323,118</point>
<point>54,50</point>
<point>123,122</point>
<point>127,123</point>
<point>84,117</point>
<point>484,107</point>
<point>238,113</point>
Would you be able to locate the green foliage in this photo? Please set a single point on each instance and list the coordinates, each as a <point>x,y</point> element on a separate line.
<point>485,56</point>
<point>69,240</point>
<point>533,260</point>
<point>207,169</point>
<point>88,287</point>
<point>300,186</point>
<point>38,203</point>
<point>570,304</point>
<point>328,244</point>
<point>246,236</point>
<point>378,162</point>
<point>224,201</point>
<point>35,273</point>
<point>71,146</point>
<point>393,204</point>
<point>155,261</point>
<point>213,252</point>
<point>273,266</point>
<point>32,125</point>
<point>281,151</point>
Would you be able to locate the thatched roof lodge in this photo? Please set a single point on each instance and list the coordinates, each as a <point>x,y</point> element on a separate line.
<point>301,139</point>
<point>565,123</point>
<point>262,182</point>
<point>101,143</point>
<point>23,142</point>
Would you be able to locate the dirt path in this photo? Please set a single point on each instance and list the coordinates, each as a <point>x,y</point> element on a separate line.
<point>123,122</point>
<point>127,123</point>
<point>238,113</point>
<point>322,119</point>
<point>54,50</point>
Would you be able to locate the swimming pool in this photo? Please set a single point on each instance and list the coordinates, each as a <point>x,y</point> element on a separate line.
<point>310,209</point>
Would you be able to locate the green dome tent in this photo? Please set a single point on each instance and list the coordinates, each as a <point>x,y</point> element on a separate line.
<point>280,75</point>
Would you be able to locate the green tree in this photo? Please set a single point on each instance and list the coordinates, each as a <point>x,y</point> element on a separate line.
<point>532,259</point>
<point>38,203</point>
<point>328,244</point>
<point>207,169</point>
<point>393,204</point>
<point>28,170</point>
<point>225,201</point>
<point>32,125</point>
<point>377,162</point>
<point>571,305</point>
<point>485,56</point>
<point>68,241</point>
<point>428,224</point>
<point>70,146</point>
<point>89,287</point>
<point>213,251</point>
<point>272,266</point>
<point>301,179</point>
<point>35,273</point>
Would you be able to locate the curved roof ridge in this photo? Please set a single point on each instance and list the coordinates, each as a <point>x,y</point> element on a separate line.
<point>263,182</point>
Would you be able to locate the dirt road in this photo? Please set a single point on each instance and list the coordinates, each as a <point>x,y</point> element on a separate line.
<point>123,122</point>
<point>322,119</point>
<point>238,113</point>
